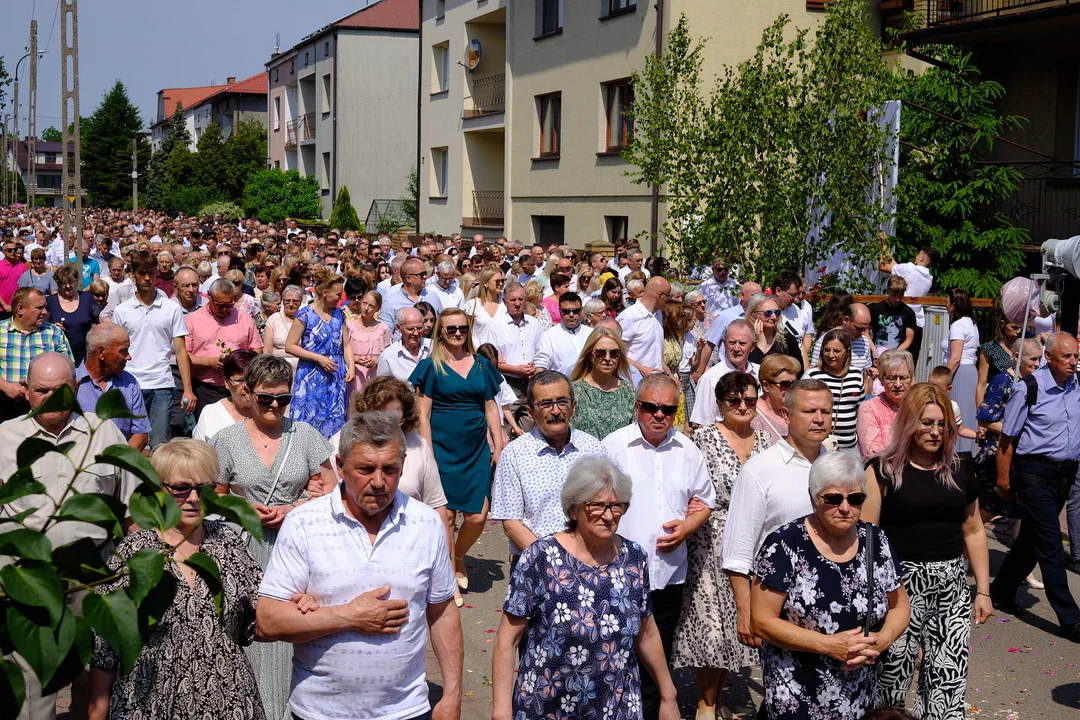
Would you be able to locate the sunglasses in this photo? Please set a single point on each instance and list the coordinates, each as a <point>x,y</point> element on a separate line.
<point>570,311</point>
<point>180,491</point>
<point>734,402</point>
<point>266,399</point>
<point>601,354</point>
<point>854,499</point>
<point>456,329</point>
<point>783,384</point>
<point>500,283</point>
<point>770,313</point>
<point>653,408</point>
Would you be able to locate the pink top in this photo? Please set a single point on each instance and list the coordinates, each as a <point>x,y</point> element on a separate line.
<point>9,279</point>
<point>367,342</point>
<point>874,425</point>
<point>551,304</point>
<point>210,337</point>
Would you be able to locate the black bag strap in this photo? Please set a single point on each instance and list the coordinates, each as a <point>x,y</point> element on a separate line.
<point>1032,390</point>
<point>869,621</point>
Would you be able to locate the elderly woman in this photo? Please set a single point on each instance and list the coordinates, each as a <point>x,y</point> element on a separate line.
<point>75,312</point>
<point>278,325</point>
<point>193,665</point>
<point>706,637</point>
<point>38,275</point>
<point>812,607</point>
<point>776,374</point>
<point>274,463</point>
<point>269,304</point>
<point>534,295</point>
<point>578,608</point>
<point>876,416</point>
<point>592,312</point>
<point>602,385</point>
<point>922,497</point>
<point>236,407</point>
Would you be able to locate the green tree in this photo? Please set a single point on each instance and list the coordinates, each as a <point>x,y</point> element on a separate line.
<point>273,195</point>
<point>4,82</point>
<point>157,178</point>
<point>343,216</point>
<point>51,134</point>
<point>15,180</point>
<point>106,149</point>
<point>209,160</point>
<point>410,201</point>
<point>37,582</point>
<point>945,197</point>
<point>244,153</point>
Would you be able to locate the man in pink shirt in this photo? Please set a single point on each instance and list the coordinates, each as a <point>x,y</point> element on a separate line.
<point>11,267</point>
<point>214,331</point>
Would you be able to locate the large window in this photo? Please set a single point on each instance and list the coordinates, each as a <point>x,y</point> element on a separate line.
<point>549,110</point>
<point>277,114</point>
<point>440,55</point>
<point>618,97</point>
<point>616,227</point>
<point>438,171</point>
<point>549,17</point>
<point>615,6</point>
<point>327,91</point>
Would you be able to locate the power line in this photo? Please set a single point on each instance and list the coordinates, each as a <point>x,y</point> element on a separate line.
<point>52,27</point>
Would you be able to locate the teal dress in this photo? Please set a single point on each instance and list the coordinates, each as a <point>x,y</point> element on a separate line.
<point>459,434</point>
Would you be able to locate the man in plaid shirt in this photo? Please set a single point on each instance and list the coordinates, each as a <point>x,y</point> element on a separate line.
<point>23,336</point>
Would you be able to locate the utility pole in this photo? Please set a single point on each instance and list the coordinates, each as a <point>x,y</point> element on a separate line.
<point>69,87</point>
<point>31,123</point>
<point>135,174</point>
<point>7,172</point>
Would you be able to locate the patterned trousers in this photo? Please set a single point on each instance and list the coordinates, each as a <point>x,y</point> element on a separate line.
<point>940,625</point>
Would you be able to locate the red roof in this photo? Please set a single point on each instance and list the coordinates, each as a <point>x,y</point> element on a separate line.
<point>385,15</point>
<point>186,97</point>
<point>256,84</point>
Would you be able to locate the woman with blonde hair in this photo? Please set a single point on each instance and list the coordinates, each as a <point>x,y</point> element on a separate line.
<point>319,337</point>
<point>534,296</point>
<point>602,385</point>
<point>487,304</point>
<point>776,374</point>
<point>587,282</point>
<point>680,354</point>
<point>763,312</point>
<point>456,391</point>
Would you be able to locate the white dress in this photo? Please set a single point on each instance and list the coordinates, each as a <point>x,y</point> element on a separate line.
<point>213,419</point>
<point>481,321</point>
<point>280,326</point>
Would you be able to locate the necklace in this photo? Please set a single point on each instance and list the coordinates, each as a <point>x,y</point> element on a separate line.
<point>269,439</point>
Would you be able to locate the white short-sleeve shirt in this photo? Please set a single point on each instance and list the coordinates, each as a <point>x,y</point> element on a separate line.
<point>324,552</point>
<point>919,280</point>
<point>152,329</point>
<point>643,333</point>
<point>560,348</point>
<point>705,411</point>
<point>963,329</point>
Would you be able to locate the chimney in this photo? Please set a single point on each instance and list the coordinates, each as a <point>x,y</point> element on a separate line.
<point>230,80</point>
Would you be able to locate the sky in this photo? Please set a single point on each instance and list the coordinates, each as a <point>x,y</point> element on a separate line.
<point>153,44</point>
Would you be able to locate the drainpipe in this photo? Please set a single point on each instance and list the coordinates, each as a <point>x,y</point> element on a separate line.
<point>419,107</point>
<point>654,222</point>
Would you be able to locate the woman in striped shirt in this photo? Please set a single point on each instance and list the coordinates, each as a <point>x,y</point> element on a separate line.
<point>847,385</point>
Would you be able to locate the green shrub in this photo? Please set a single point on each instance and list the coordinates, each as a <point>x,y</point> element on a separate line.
<point>273,195</point>
<point>343,217</point>
<point>228,210</point>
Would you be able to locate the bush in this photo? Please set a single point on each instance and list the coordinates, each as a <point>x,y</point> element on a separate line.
<point>273,195</point>
<point>228,210</point>
<point>343,217</point>
<point>188,199</point>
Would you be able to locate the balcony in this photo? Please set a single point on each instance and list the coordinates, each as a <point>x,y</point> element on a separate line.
<point>1047,202</point>
<point>952,12</point>
<point>487,209</point>
<point>488,96</point>
<point>301,129</point>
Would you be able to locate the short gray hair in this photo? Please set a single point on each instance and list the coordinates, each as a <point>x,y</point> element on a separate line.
<point>268,370</point>
<point>164,254</point>
<point>593,306</point>
<point>398,261</point>
<point>655,380</point>
<point>836,469</point>
<point>446,267</point>
<point>399,317</point>
<point>291,290</point>
<point>1053,339</point>
<point>222,285</point>
<point>1018,346</point>
<point>269,298</point>
<point>738,323</point>
<point>635,285</point>
<point>676,288</point>
<point>103,334</point>
<point>375,429</point>
<point>588,478</point>
<point>692,296</point>
<point>892,359</point>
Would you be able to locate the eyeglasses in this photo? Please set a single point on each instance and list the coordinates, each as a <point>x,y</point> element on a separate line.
<point>549,405</point>
<point>601,354</point>
<point>734,402</point>
<point>770,313</point>
<point>456,329</point>
<point>180,492</point>
<point>854,499</point>
<point>930,425</point>
<point>597,510</point>
<point>500,282</point>
<point>897,379</point>
<point>267,400</point>
<point>653,408</point>
<point>783,384</point>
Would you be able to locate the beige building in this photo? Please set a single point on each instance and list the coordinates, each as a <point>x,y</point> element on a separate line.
<point>521,109</point>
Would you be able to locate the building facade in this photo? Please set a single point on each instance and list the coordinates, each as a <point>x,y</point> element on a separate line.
<point>342,104</point>
<point>48,168</point>
<point>227,105</point>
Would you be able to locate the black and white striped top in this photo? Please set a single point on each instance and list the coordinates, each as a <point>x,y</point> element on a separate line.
<point>847,393</point>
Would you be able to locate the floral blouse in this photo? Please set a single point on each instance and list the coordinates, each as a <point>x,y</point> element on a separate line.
<point>991,411</point>
<point>578,659</point>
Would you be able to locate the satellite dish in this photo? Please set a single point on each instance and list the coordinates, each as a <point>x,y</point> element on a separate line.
<point>473,52</point>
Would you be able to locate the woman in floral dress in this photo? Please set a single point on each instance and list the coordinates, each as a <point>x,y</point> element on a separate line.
<point>706,637</point>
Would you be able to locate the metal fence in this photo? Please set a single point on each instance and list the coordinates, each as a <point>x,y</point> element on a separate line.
<point>1047,202</point>
<point>488,95</point>
<point>488,207</point>
<point>950,12</point>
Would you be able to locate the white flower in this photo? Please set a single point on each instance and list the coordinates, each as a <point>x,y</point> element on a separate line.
<point>835,607</point>
<point>553,556</point>
<point>860,603</point>
<point>618,578</point>
<point>578,655</point>
<point>609,624</point>
<point>528,682</point>
<point>568,704</point>
<point>585,596</point>
<point>541,657</point>
<point>621,658</point>
<point>562,612</point>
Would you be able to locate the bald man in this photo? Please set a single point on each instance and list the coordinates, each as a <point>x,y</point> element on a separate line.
<point>49,372</point>
<point>857,324</point>
<point>643,327</point>
<point>107,353</point>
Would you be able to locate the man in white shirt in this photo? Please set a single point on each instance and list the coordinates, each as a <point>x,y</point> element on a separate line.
<point>787,291</point>
<point>857,325</point>
<point>643,327</point>
<point>378,564</point>
<point>773,488</point>
<point>516,336</point>
<point>477,246</point>
<point>633,264</point>
<point>720,323</point>
<point>385,286</point>
<point>668,472</point>
<point>738,342</point>
<point>721,291</point>
<point>445,285</point>
<point>560,346</point>
<point>399,359</point>
<point>917,274</point>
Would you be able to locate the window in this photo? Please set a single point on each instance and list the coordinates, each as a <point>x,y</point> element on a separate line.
<point>325,171</point>
<point>276,74</point>
<point>51,159</point>
<point>292,66</point>
<point>440,9</point>
<point>277,114</point>
<point>277,164</point>
<point>618,97</point>
<point>441,57</point>
<point>326,49</point>
<point>616,227</point>
<point>614,7</point>
<point>549,17</point>
<point>327,89</point>
<point>549,110</point>
<point>438,171</point>
<point>548,229</point>
<point>305,59</point>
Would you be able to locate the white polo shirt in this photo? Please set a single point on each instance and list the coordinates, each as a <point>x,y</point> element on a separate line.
<point>643,333</point>
<point>664,478</point>
<point>324,552</point>
<point>517,342</point>
<point>559,348</point>
<point>919,280</point>
<point>152,329</point>
<point>396,361</point>
<point>705,411</point>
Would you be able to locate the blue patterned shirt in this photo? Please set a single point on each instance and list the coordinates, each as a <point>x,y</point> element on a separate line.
<point>18,348</point>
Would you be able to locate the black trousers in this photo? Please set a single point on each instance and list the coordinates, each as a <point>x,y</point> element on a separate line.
<point>206,394</point>
<point>1040,488</point>
<point>667,606</point>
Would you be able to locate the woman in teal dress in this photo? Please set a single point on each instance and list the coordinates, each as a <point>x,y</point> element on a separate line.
<point>459,418</point>
<point>320,338</point>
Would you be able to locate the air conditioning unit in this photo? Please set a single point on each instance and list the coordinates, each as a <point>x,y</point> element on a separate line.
<point>935,330</point>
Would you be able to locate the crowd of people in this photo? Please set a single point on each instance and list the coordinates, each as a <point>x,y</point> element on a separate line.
<point>681,470</point>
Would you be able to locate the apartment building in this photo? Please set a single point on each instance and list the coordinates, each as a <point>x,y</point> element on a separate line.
<point>342,104</point>
<point>225,105</point>
<point>167,100</point>
<point>523,108</point>
<point>48,167</point>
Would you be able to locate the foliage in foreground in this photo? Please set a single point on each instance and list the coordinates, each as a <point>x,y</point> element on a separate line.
<point>55,642</point>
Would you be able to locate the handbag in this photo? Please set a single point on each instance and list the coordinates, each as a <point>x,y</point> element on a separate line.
<point>831,442</point>
<point>868,624</point>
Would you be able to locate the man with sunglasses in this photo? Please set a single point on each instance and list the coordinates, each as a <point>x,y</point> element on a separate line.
<point>560,347</point>
<point>11,268</point>
<point>413,289</point>
<point>721,291</point>
<point>668,473</point>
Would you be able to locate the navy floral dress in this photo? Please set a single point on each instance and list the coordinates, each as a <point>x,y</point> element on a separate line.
<point>578,658</point>
<point>319,396</point>
<point>827,597</point>
<point>985,458</point>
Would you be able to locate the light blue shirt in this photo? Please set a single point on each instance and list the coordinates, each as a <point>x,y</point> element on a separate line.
<point>397,299</point>
<point>725,318</point>
<point>1052,426</point>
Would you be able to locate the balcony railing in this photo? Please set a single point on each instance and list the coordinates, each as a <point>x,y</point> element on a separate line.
<point>1047,202</point>
<point>487,208</point>
<point>951,12</point>
<point>488,96</point>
